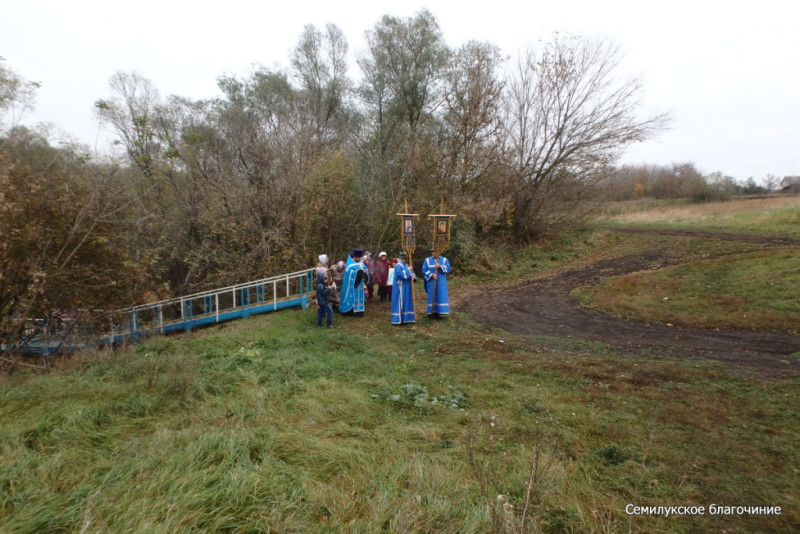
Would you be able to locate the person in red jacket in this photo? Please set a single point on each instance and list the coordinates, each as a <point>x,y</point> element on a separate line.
<point>382,266</point>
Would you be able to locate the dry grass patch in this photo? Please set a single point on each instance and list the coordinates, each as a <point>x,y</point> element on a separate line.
<point>635,212</point>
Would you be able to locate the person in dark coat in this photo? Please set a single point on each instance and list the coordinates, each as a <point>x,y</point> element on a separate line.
<point>323,304</point>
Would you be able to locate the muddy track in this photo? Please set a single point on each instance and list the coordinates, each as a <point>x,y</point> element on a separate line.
<point>544,307</point>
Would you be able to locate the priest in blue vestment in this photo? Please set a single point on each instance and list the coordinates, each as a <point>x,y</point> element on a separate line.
<point>435,269</point>
<point>402,310</point>
<point>355,274</point>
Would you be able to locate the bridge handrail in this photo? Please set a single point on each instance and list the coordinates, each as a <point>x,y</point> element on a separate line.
<point>200,294</point>
<point>149,318</point>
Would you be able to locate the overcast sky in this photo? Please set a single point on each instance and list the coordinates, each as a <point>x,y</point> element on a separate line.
<point>727,72</point>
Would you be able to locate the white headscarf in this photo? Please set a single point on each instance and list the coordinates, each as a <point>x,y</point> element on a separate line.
<point>323,259</point>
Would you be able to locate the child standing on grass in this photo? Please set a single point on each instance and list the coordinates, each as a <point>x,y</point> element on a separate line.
<point>323,304</point>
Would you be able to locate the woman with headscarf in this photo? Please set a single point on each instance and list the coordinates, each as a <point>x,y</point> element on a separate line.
<point>322,266</point>
<point>382,275</point>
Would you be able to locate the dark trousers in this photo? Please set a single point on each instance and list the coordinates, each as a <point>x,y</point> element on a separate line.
<point>322,311</point>
<point>384,292</point>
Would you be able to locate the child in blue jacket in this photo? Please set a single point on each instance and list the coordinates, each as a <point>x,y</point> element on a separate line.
<point>323,304</point>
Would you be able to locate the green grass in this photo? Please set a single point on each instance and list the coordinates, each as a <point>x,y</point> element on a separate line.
<point>270,424</point>
<point>718,284</point>
<point>275,425</point>
<point>748,291</point>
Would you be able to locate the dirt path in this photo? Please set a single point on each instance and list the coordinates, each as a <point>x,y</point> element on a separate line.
<point>545,307</point>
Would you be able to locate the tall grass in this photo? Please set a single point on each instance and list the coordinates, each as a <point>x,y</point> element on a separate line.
<point>270,424</point>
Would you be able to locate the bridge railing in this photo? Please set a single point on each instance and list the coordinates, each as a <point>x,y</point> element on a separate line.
<point>66,332</point>
<point>214,306</point>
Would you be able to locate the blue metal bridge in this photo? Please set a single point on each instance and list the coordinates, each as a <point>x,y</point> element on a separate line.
<point>186,313</point>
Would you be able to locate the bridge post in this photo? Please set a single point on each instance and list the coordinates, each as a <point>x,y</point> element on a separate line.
<point>304,290</point>
<point>135,326</point>
<point>187,315</point>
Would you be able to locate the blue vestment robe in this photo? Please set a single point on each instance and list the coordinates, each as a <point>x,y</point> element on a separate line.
<point>402,295</point>
<point>352,298</point>
<point>439,300</point>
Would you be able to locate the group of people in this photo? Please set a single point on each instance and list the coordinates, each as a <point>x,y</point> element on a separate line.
<point>348,284</point>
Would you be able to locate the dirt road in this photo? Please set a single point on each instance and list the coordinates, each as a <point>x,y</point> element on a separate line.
<point>545,307</point>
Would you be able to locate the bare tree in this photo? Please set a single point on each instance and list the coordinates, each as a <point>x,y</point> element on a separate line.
<point>771,182</point>
<point>132,112</point>
<point>17,95</point>
<point>567,118</point>
<point>472,109</point>
<point>320,65</point>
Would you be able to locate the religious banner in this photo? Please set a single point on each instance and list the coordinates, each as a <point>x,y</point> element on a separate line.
<point>409,242</point>
<point>441,230</point>
<point>408,231</point>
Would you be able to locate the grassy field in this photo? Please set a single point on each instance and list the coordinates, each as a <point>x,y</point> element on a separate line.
<point>755,290</point>
<point>750,288</point>
<point>270,424</point>
<point>779,215</point>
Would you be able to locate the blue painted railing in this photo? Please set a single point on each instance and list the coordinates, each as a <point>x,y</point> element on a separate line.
<point>215,306</point>
<point>191,311</point>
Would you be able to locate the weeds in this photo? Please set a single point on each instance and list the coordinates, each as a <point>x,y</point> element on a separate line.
<point>508,513</point>
<point>414,394</point>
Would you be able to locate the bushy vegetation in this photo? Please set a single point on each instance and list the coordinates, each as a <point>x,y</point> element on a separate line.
<point>66,248</point>
<point>293,161</point>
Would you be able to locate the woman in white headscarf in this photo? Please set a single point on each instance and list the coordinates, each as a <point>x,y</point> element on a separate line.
<point>322,266</point>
